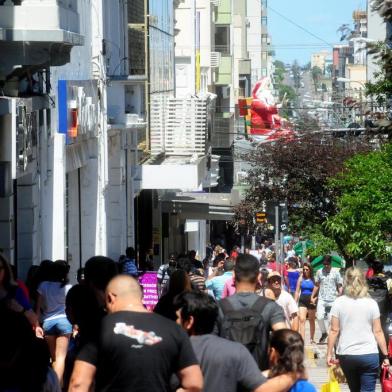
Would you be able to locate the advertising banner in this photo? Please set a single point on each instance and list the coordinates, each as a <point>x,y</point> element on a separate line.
<point>150,293</point>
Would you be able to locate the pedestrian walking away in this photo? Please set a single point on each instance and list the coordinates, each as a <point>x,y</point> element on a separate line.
<point>356,320</point>
<point>51,302</point>
<point>247,318</point>
<point>226,365</point>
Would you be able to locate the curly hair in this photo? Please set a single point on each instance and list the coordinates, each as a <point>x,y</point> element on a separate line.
<point>290,347</point>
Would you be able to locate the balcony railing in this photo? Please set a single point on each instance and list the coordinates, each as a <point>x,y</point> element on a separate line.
<point>222,136</point>
<point>179,126</point>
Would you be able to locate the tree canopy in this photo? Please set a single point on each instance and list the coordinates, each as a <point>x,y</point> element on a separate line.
<point>363,217</point>
<point>297,172</point>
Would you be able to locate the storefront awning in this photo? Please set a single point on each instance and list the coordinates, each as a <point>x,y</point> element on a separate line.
<point>206,206</point>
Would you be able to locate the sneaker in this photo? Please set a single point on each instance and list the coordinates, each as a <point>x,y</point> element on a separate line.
<point>323,338</point>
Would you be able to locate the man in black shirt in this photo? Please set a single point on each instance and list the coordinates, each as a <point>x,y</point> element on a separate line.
<point>136,350</point>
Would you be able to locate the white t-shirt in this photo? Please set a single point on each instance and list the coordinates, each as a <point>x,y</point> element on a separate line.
<point>356,318</point>
<point>53,296</point>
<point>289,306</point>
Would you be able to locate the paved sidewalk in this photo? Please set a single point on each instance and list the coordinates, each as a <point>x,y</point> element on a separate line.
<point>316,367</point>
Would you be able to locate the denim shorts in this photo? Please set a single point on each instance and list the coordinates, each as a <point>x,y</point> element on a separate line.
<point>57,327</point>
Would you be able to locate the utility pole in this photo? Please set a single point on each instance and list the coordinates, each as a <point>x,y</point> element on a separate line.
<point>277,246</point>
<point>193,46</point>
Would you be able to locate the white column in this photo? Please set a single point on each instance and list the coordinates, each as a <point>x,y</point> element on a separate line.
<point>52,200</point>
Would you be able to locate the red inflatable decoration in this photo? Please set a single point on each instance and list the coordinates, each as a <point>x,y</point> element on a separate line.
<point>266,124</point>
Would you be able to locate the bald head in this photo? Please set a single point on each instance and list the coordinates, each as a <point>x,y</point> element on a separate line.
<point>123,293</point>
<point>125,286</point>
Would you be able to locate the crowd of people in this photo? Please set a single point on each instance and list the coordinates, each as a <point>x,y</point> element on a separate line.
<point>232,322</point>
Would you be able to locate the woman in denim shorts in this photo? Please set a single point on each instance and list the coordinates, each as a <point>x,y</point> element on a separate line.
<point>51,301</point>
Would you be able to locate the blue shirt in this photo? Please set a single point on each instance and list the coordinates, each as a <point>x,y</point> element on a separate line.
<point>302,386</point>
<point>217,284</point>
<point>307,286</point>
<point>292,277</point>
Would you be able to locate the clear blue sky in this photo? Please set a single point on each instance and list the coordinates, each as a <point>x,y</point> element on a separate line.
<point>321,17</point>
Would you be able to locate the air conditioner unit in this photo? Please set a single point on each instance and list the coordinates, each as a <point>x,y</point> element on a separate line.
<point>215,58</point>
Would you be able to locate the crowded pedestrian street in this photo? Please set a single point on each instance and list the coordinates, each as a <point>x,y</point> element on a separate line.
<point>195,196</point>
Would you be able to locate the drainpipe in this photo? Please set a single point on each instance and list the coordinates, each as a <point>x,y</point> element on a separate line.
<point>193,46</point>
<point>147,71</point>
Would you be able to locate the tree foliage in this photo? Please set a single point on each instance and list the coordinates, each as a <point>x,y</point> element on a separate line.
<point>297,172</point>
<point>363,217</point>
<point>317,74</point>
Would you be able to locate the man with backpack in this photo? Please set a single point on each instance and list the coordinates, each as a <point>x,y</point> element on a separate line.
<point>197,313</point>
<point>246,317</point>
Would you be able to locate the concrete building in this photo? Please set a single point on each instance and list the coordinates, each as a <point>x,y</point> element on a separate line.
<point>75,127</point>
<point>34,37</point>
<point>110,134</point>
<point>320,59</point>
<point>377,31</point>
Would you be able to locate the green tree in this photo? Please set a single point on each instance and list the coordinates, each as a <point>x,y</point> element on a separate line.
<point>296,172</point>
<point>317,73</point>
<point>363,220</point>
<point>296,70</point>
<point>288,97</point>
<point>280,72</point>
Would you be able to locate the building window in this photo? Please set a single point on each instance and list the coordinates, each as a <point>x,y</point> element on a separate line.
<point>264,20</point>
<point>222,39</point>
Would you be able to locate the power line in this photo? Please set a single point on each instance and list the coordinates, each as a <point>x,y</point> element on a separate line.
<point>299,26</point>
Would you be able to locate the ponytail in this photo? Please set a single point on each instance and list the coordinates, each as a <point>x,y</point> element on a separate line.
<point>290,348</point>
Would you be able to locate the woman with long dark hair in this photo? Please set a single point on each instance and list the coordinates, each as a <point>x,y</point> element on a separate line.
<point>178,283</point>
<point>306,309</point>
<point>286,356</point>
<point>51,301</point>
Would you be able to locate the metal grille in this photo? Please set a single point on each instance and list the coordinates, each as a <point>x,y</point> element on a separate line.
<point>179,126</point>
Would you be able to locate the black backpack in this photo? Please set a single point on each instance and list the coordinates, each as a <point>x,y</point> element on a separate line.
<point>378,290</point>
<point>246,326</point>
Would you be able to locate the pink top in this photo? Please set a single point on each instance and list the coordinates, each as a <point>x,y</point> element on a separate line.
<point>272,265</point>
<point>229,288</point>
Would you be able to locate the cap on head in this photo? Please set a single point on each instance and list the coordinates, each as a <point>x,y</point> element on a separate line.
<point>274,274</point>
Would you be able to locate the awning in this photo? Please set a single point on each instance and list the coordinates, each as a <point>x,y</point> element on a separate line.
<point>206,206</point>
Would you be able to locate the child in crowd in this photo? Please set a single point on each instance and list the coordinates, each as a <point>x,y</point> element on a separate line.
<point>287,356</point>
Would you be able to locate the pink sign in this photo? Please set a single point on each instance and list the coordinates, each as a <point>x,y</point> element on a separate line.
<point>150,293</point>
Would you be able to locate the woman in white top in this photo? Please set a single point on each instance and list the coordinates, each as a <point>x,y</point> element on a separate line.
<point>51,302</point>
<point>356,320</point>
